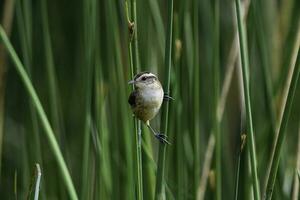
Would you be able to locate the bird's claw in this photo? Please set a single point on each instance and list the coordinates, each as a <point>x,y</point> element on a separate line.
<point>162,138</point>
<point>168,97</point>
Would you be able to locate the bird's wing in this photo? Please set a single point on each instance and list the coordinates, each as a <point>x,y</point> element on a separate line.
<point>132,98</point>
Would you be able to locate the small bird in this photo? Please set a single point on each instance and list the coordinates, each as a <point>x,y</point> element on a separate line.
<point>146,99</point>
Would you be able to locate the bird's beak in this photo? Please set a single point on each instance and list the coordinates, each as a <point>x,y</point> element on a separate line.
<point>131,82</point>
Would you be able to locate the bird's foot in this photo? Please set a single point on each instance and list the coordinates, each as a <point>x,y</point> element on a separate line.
<point>162,138</point>
<point>167,97</point>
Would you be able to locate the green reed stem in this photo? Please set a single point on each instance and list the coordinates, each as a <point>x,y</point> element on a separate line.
<point>238,166</point>
<point>263,52</point>
<point>138,129</point>
<point>89,34</point>
<point>41,113</point>
<point>134,65</point>
<point>159,190</point>
<point>245,70</point>
<point>52,80</point>
<point>196,97</point>
<point>216,75</point>
<point>281,134</point>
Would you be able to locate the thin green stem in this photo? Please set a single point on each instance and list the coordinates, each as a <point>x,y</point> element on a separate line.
<point>135,51</point>
<point>134,65</point>
<point>245,70</point>
<point>216,75</point>
<point>281,133</point>
<point>263,52</point>
<point>41,113</point>
<point>265,63</point>
<point>230,67</point>
<point>89,34</point>
<point>158,23</point>
<point>138,129</point>
<point>159,190</point>
<point>52,80</point>
<point>138,139</point>
<point>237,177</point>
<point>196,98</point>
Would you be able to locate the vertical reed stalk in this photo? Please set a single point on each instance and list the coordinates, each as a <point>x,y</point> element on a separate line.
<point>245,70</point>
<point>159,190</point>
<point>134,66</point>
<point>216,75</point>
<point>230,66</point>
<point>237,177</point>
<point>283,124</point>
<point>266,64</point>
<point>137,122</point>
<point>196,98</point>
<point>89,34</point>
<point>50,67</point>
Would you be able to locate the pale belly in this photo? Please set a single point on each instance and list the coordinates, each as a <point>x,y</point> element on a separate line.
<point>148,104</point>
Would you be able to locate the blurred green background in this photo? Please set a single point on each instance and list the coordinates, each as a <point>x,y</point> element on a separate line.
<point>77,56</point>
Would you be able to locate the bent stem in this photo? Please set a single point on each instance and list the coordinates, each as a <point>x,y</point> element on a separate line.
<point>41,113</point>
<point>38,181</point>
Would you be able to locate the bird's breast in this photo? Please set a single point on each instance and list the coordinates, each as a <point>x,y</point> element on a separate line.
<point>148,103</point>
<point>152,97</point>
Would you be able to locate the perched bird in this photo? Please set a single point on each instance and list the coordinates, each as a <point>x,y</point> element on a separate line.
<point>146,99</point>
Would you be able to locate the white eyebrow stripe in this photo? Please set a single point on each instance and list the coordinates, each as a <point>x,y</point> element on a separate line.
<point>150,75</point>
<point>139,75</point>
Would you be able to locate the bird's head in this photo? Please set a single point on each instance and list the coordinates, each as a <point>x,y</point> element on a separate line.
<point>145,80</point>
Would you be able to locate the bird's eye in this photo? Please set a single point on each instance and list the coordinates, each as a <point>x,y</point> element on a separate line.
<point>144,78</point>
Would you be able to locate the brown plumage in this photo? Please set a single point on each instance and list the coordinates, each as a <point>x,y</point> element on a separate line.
<point>146,99</point>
